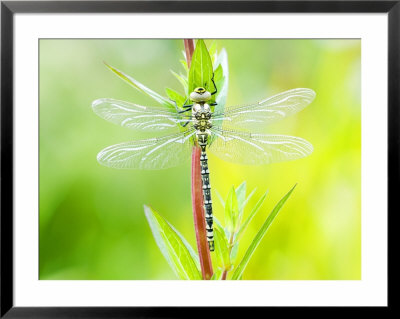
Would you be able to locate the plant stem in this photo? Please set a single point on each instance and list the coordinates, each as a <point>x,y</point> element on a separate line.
<point>230,245</point>
<point>189,48</point>
<point>197,195</point>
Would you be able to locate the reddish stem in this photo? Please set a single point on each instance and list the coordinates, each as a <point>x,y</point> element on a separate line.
<point>189,48</point>
<point>197,195</point>
<point>224,275</point>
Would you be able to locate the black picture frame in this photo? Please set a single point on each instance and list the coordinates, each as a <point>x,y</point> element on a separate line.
<point>9,8</point>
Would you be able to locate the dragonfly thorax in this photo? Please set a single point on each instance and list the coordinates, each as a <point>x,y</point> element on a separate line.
<point>201,111</point>
<point>201,114</point>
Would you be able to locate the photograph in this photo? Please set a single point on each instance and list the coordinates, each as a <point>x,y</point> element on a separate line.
<point>199,159</point>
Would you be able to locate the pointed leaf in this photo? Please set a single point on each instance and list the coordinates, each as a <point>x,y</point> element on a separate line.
<point>217,274</point>
<point>241,192</point>
<point>234,251</point>
<point>254,211</point>
<point>231,211</point>
<point>182,81</point>
<point>175,97</point>
<point>221,248</point>
<point>247,199</point>
<point>241,196</point>
<point>139,86</point>
<point>257,239</point>
<point>222,84</point>
<point>184,64</point>
<point>201,68</point>
<point>177,252</point>
<point>220,226</point>
<point>212,50</point>
<point>218,74</point>
<point>241,208</point>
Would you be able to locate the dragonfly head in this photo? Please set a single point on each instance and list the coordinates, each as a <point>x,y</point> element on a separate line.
<point>200,94</point>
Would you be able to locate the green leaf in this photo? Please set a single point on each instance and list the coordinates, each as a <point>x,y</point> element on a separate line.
<point>216,221</point>
<point>221,248</point>
<point>220,198</point>
<point>218,74</point>
<point>253,212</point>
<point>175,96</point>
<point>178,253</point>
<point>212,50</point>
<point>241,208</point>
<point>241,195</point>
<point>222,83</point>
<point>142,88</point>
<point>231,211</point>
<point>257,239</point>
<point>201,68</point>
<point>184,64</point>
<point>182,81</point>
<point>234,251</point>
<point>217,274</point>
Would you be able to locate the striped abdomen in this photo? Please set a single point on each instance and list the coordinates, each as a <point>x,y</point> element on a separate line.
<point>205,177</point>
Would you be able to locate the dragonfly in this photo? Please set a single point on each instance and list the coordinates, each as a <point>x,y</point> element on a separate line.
<point>234,134</point>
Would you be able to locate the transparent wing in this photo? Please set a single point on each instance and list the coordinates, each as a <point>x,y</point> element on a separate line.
<point>257,149</point>
<point>155,153</point>
<point>254,117</point>
<point>138,117</point>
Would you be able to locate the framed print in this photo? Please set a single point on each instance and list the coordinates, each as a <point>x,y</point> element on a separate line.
<point>165,157</point>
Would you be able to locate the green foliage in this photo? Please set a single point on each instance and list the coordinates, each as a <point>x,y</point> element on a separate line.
<point>207,66</point>
<point>257,239</point>
<point>176,97</point>
<point>201,68</point>
<point>231,211</point>
<point>201,73</point>
<point>182,80</point>
<point>221,75</point>
<point>252,214</point>
<point>139,86</point>
<point>221,248</point>
<point>239,195</point>
<point>178,253</point>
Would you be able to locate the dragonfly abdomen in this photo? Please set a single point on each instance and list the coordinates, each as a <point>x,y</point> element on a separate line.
<point>205,178</point>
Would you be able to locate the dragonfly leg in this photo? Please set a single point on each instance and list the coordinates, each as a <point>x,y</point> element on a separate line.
<point>176,105</point>
<point>216,90</point>
<point>187,108</point>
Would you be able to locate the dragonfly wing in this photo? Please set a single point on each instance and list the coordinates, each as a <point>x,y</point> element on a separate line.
<point>256,116</point>
<point>258,149</point>
<point>138,117</point>
<point>151,154</point>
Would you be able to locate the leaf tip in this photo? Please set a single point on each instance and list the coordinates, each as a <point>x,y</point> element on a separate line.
<point>147,210</point>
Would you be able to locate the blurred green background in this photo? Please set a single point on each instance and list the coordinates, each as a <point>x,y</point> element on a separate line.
<point>92,224</point>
